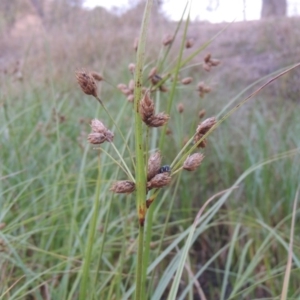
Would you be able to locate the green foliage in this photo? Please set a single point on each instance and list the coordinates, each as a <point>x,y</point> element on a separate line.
<point>237,249</point>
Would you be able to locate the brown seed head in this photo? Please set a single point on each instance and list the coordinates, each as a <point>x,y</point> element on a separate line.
<point>131,85</point>
<point>152,72</point>
<point>124,89</point>
<point>159,181</point>
<point>123,187</point>
<point>215,62</point>
<point>100,133</point>
<point>206,125</point>
<point>146,108</point>
<point>206,67</point>
<point>98,126</point>
<point>189,43</point>
<point>130,98</point>
<point>155,79</point>
<point>97,76</point>
<point>96,138</point>
<point>2,225</point>
<point>135,44</point>
<point>197,138</point>
<point>180,108</point>
<point>131,68</point>
<point>187,80</point>
<point>167,40</point>
<point>154,163</point>
<point>158,120</point>
<point>193,162</point>
<point>163,88</point>
<point>87,83</point>
<point>207,57</point>
<point>202,113</point>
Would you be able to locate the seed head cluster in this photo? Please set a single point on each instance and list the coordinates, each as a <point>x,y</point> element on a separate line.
<point>202,129</point>
<point>100,133</point>
<point>87,83</point>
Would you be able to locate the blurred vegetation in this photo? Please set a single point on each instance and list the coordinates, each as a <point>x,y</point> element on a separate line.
<point>48,172</point>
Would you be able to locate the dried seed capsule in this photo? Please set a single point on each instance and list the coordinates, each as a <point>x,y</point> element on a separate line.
<point>180,108</point>
<point>87,83</point>
<point>97,76</point>
<point>193,162</point>
<point>187,80</point>
<point>154,163</point>
<point>123,187</point>
<point>158,181</point>
<point>167,40</point>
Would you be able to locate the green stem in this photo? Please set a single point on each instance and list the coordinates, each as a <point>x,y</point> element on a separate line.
<point>90,241</point>
<point>139,150</point>
<point>117,127</point>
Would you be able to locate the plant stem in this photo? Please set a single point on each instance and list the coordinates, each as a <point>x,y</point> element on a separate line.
<point>140,180</point>
<point>90,240</point>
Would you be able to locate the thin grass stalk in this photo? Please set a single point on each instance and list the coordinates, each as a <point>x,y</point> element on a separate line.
<point>287,274</point>
<point>139,150</point>
<point>90,241</point>
<point>118,128</point>
<point>174,85</point>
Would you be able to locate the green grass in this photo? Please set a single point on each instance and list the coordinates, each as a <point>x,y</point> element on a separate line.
<point>48,174</point>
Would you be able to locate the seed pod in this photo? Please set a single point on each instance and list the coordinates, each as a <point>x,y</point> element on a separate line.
<point>97,76</point>
<point>130,98</point>
<point>193,162</point>
<point>87,83</point>
<point>159,181</point>
<point>96,138</point>
<point>167,40</point>
<point>189,43</point>
<point>131,68</point>
<point>180,108</point>
<point>131,85</point>
<point>152,72</point>
<point>158,120</point>
<point>187,80</point>
<point>202,113</point>
<point>154,163</point>
<point>146,108</point>
<point>206,125</point>
<point>98,126</point>
<point>123,187</point>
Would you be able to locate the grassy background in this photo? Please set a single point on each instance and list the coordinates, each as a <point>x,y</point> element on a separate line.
<point>48,171</point>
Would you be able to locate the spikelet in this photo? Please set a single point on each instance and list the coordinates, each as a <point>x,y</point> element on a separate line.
<point>193,161</point>
<point>167,40</point>
<point>100,133</point>
<point>131,68</point>
<point>97,76</point>
<point>189,43</point>
<point>146,108</point>
<point>159,181</point>
<point>180,108</point>
<point>154,163</point>
<point>87,83</point>
<point>123,187</point>
<point>158,120</point>
<point>187,80</point>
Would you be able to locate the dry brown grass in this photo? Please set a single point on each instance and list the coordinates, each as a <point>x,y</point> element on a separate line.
<point>74,38</point>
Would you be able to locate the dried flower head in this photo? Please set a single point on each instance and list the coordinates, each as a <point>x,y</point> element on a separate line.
<point>189,43</point>
<point>167,40</point>
<point>130,98</point>
<point>159,181</point>
<point>146,108</point>
<point>152,72</point>
<point>210,62</point>
<point>202,113</point>
<point>193,162</point>
<point>203,89</point>
<point>187,80</point>
<point>206,125</point>
<point>97,76</point>
<point>131,68</point>
<point>87,83</point>
<point>202,129</point>
<point>158,120</point>
<point>155,79</point>
<point>154,163</point>
<point>123,187</point>
<point>180,108</point>
<point>131,85</point>
<point>100,133</point>
<point>124,89</point>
